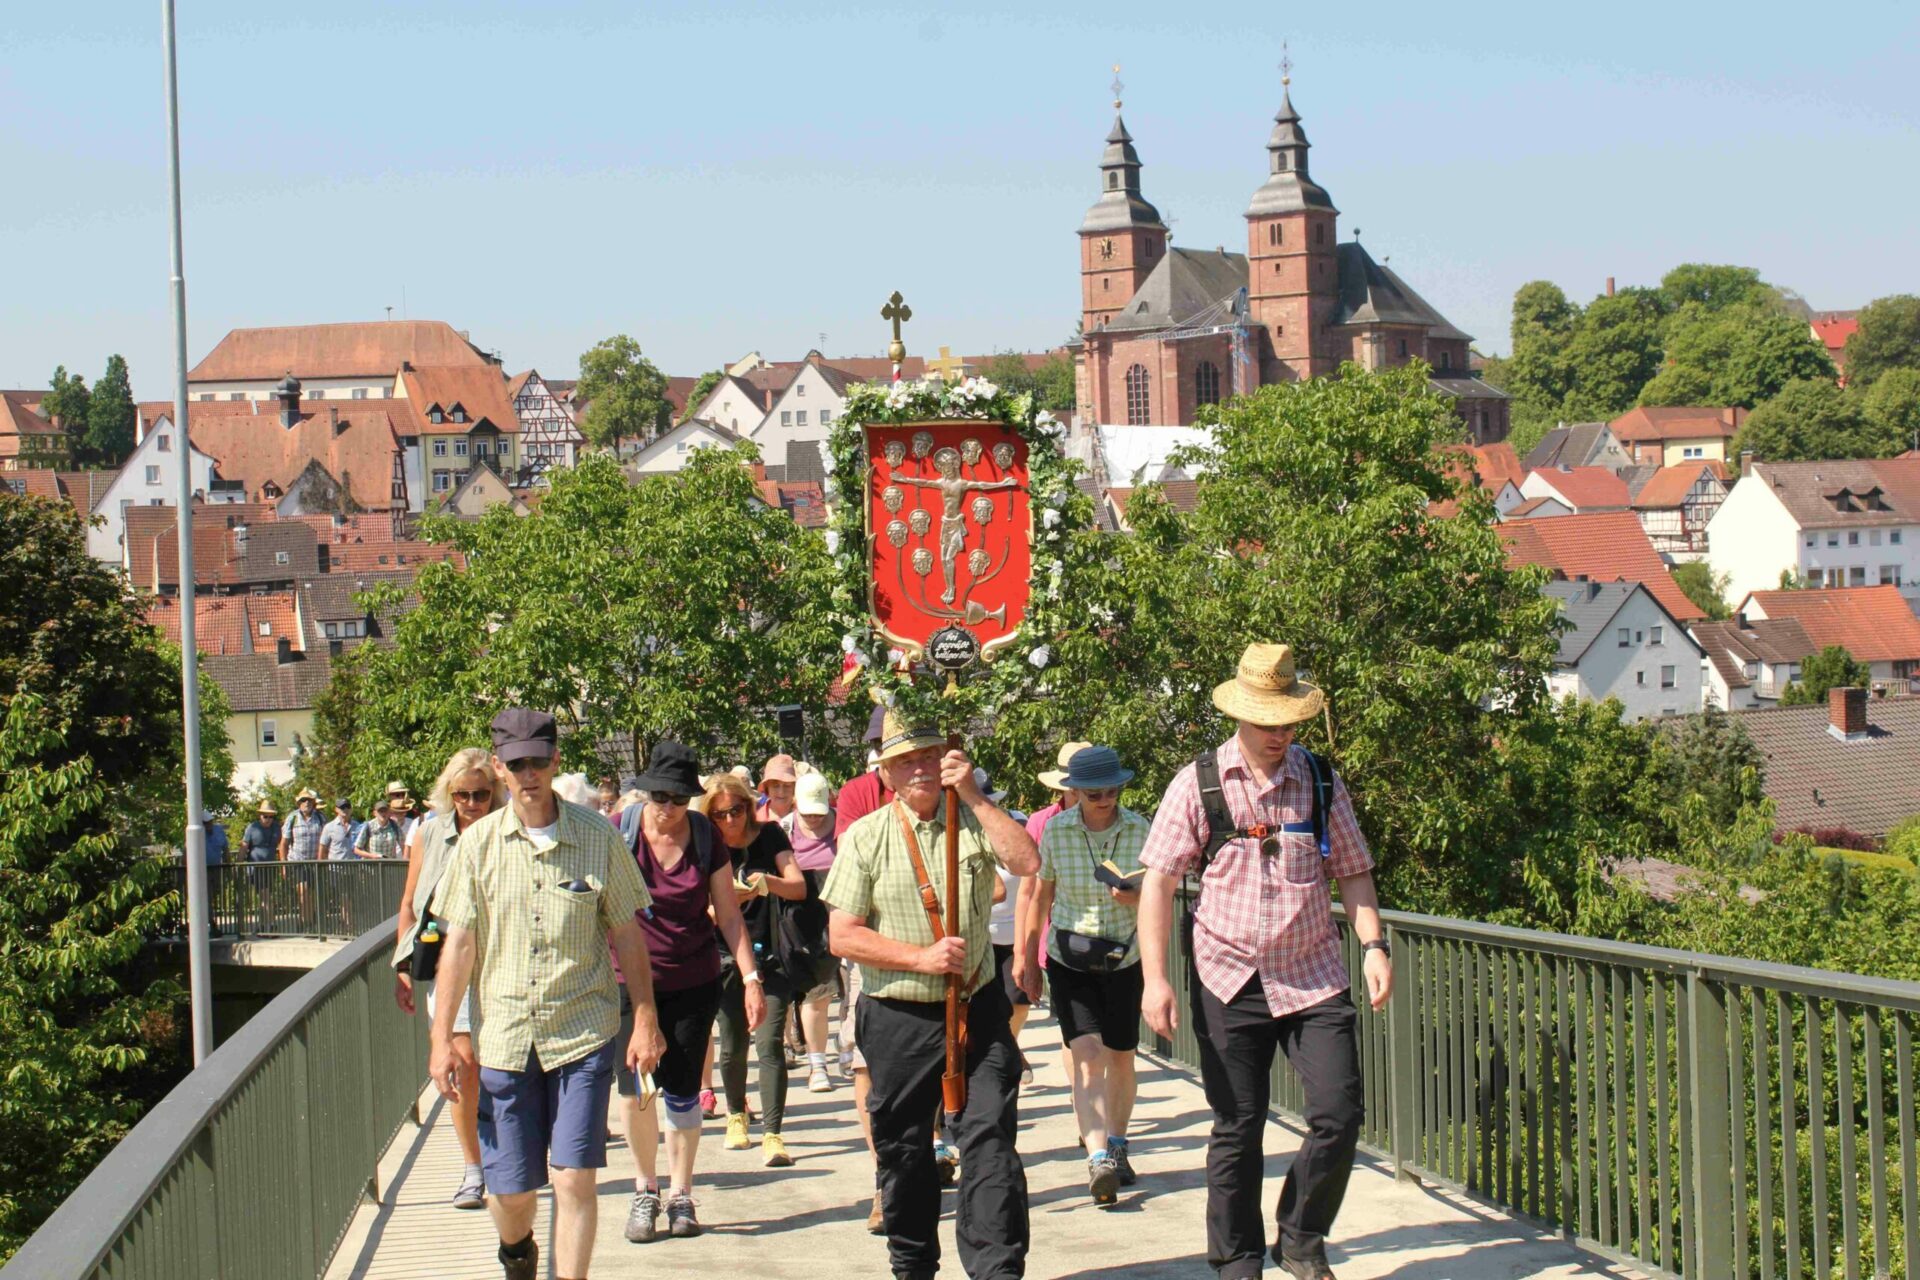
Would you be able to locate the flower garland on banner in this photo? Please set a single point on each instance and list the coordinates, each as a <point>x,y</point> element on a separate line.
<point>1064,544</point>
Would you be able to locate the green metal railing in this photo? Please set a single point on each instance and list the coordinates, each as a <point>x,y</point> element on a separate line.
<point>253,1165</point>
<point>295,899</point>
<point>1692,1115</point>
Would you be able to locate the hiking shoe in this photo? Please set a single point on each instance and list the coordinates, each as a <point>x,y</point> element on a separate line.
<point>709,1105</point>
<point>818,1081</point>
<point>1117,1150</point>
<point>1307,1268</point>
<point>472,1192</point>
<point>527,1268</point>
<point>773,1149</point>
<point>947,1160</point>
<point>643,1220</point>
<point>876,1219</point>
<point>1103,1178</point>
<point>737,1132</point>
<point>681,1220</point>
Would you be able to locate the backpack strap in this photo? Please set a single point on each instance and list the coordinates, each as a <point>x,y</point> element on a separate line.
<point>1221,827</point>
<point>1322,799</point>
<point>703,835</point>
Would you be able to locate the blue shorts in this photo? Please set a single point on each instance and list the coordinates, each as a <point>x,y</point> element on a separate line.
<point>528,1117</point>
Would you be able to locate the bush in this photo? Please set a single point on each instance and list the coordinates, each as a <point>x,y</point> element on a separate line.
<point>1903,840</point>
<point>1835,838</point>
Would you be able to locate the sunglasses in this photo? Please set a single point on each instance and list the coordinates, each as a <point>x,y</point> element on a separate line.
<point>1099,793</point>
<point>673,798</point>
<point>723,815</point>
<point>472,797</point>
<point>528,762</point>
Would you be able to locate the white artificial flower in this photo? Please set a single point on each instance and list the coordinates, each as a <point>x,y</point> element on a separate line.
<point>1056,568</point>
<point>861,658</point>
<point>895,657</point>
<point>849,643</point>
<point>1040,657</point>
<point>1050,518</point>
<point>833,548</point>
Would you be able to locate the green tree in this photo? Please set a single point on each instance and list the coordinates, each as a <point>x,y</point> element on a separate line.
<point>1700,584</point>
<point>1539,373</point>
<point>702,388</point>
<point>1740,354</point>
<point>1714,286</point>
<point>626,395</point>
<point>1888,338</point>
<point>1831,668</point>
<point>1050,383</point>
<point>679,607</point>
<point>89,781</point>
<point>1891,407</point>
<point>1677,384</point>
<point>110,414</point>
<point>1528,426</point>
<point>1710,757</point>
<point>1615,351</point>
<point>326,767</point>
<point>1813,419</point>
<point>67,405</point>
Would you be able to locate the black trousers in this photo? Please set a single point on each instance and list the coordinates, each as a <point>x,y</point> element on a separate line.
<point>1237,1042</point>
<point>904,1043</point>
<point>767,1045</point>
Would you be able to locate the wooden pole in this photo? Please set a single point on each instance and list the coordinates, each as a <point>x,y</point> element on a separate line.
<point>953,1085</point>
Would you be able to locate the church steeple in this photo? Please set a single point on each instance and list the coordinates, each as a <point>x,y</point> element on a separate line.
<point>1293,275</point>
<point>1288,189</point>
<point>1120,204</point>
<point>1122,238</point>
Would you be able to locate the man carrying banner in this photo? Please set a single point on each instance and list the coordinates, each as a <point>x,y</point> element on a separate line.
<point>1266,824</point>
<point>888,890</point>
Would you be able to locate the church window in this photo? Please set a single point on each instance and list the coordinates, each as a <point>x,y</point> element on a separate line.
<point>1446,359</point>
<point>1206,383</point>
<point>1276,234</point>
<point>1113,182</point>
<point>1281,160</point>
<point>1403,348</point>
<point>1320,233</point>
<point>1138,408</point>
<point>1106,282</point>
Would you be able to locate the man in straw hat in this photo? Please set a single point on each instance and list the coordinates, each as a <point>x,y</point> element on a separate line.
<point>880,921</point>
<point>1266,824</point>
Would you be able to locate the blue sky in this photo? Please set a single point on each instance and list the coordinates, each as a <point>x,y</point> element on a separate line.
<point>716,178</point>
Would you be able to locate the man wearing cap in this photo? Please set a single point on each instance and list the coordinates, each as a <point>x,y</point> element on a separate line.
<point>336,838</point>
<point>534,894</point>
<point>380,837</point>
<point>1093,955</point>
<point>879,920</point>
<point>1266,958</point>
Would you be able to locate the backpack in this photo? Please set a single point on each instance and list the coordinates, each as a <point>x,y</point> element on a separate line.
<point>703,838</point>
<point>800,938</point>
<point>1221,827</point>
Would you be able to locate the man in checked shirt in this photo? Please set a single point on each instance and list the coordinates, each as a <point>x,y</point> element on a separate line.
<point>1267,964</point>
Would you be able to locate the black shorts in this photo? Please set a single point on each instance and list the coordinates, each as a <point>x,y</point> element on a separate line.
<point>686,1022</point>
<point>1004,955</point>
<point>1097,1004</point>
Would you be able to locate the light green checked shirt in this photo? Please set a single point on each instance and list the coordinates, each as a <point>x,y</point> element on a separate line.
<point>1068,854</point>
<point>541,965</point>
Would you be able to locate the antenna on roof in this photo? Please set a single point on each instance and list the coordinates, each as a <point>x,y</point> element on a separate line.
<point>389,313</point>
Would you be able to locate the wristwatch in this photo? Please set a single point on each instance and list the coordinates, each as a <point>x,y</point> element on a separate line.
<point>753,977</point>
<point>1380,945</point>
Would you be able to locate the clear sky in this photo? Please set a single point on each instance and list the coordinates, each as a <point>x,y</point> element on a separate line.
<point>717,178</point>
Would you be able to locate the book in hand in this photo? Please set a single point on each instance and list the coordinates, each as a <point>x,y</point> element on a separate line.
<point>753,886</point>
<point>1114,878</point>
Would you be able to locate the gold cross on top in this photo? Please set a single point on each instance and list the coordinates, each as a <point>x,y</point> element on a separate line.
<point>897,311</point>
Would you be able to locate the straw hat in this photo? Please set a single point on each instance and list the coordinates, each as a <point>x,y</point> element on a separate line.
<point>899,738</point>
<point>1265,690</point>
<point>1056,779</point>
<point>266,806</point>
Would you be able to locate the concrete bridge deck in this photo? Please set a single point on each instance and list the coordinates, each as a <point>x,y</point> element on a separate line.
<point>808,1222</point>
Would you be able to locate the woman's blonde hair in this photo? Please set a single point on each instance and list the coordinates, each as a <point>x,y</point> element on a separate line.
<point>463,762</point>
<point>732,784</point>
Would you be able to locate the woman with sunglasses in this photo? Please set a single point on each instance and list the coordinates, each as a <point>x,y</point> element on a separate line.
<point>764,858</point>
<point>688,869</point>
<point>465,792</point>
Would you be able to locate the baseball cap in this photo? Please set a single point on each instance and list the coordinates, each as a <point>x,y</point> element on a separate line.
<point>812,796</point>
<point>520,734</point>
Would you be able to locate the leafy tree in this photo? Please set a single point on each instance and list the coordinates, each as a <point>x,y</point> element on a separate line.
<point>67,405</point>
<point>1714,287</point>
<point>1813,419</point>
<point>1704,587</point>
<point>326,767</point>
<point>1891,407</point>
<point>1888,338</point>
<point>679,607</point>
<point>1903,839</point>
<point>1710,757</point>
<point>89,780</point>
<point>1831,668</point>
<point>702,389</point>
<point>1735,355</point>
<point>1614,352</point>
<point>110,414</point>
<point>1678,384</point>
<point>1528,426</point>
<point>1539,373</point>
<point>1051,384</point>
<point>626,395</point>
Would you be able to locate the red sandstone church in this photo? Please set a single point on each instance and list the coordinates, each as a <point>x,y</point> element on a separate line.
<point>1165,330</point>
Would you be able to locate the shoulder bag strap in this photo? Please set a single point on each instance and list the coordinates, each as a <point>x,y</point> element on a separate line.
<point>1213,801</point>
<point>928,899</point>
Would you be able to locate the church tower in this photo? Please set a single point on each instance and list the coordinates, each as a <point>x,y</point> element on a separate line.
<point>1293,278</point>
<point>1122,238</point>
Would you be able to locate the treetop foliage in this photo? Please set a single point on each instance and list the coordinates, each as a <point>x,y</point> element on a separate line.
<point>626,395</point>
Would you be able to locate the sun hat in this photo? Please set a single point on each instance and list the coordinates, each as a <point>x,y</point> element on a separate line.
<point>1055,779</point>
<point>778,769</point>
<point>307,793</point>
<point>520,734</point>
<point>1265,690</point>
<point>1096,768</point>
<point>396,787</point>
<point>982,781</point>
<point>672,768</point>
<point>266,806</point>
<point>899,738</point>
<point>812,796</point>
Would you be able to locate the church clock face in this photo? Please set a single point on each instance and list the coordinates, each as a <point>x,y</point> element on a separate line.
<point>1106,249</point>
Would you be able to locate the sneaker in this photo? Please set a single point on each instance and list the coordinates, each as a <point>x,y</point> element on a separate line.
<point>737,1132</point>
<point>643,1220</point>
<point>709,1104</point>
<point>681,1220</point>
<point>527,1268</point>
<point>1103,1178</point>
<point>1117,1150</point>
<point>818,1081</point>
<point>774,1148</point>
<point>472,1193</point>
<point>948,1161</point>
<point>876,1219</point>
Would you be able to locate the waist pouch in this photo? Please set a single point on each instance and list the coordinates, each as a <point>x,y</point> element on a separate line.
<point>424,961</point>
<point>1084,953</point>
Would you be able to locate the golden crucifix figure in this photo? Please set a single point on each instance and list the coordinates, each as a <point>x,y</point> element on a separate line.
<point>953,518</point>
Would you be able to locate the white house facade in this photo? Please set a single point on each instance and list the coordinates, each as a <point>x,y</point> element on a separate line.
<point>151,477</point>
<point>1623,645</point>
<point>804,413</point>
<point>734,403</point>
<point>1833,524</point>
<point>671,450</point>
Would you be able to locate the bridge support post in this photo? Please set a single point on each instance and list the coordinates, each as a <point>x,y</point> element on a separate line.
<point>1403,1048</point>
<point>1712,1127</point>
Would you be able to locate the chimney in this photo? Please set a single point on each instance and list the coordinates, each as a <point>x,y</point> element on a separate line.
<point>240,538</point>
<point>1609,286</point>
<point>283,652</point>
<point>1746,462</point>
<point>1740,621</point>
<point>1847,713</point>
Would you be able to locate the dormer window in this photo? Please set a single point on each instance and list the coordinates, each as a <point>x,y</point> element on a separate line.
<point>459,414</point>
<point>435,416</point>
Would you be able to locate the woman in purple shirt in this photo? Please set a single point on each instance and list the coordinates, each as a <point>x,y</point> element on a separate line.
<point>689,871</point>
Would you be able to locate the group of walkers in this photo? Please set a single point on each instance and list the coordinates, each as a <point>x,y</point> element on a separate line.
<point>305,836</point>
<point>569,951</point>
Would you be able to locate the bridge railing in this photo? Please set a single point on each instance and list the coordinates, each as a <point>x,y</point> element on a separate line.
<point>1690,1114</point>
<point>253,1165</point>
<point>296,899</point>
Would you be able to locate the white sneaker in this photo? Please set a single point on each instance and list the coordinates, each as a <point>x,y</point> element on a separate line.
<point>819,1081</point>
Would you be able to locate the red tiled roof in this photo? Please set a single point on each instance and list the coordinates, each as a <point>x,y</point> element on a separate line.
<point>1669,486</point>
<point>375,348</point>
<point>35,482</point>
<point>231,624</point>
<point>355,441</point>
<point>482,392</point>
<point>374,554</point>
<point>678,389</point>
<point>1648,423</point>
<point>84,489</point>
<point>1606,546</point>
<point>145,525</point>
<point>1833,332</point>
<point>1588,488</point>
<point>20,415</point>
<point>1531,505</point>
<point>222,558</point>
<point>1874,624</point>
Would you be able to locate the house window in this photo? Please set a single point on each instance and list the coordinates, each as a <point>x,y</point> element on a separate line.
<point>1138,406</point>
<point>1446,361</point>
<point>1857,576</point>
<point>269,733</point>
<point>1812,541</point>
<point>826,417</point>
<point>681,447</point>
<point>386,393</point>
<point>480,449</point>
<point>800,389</point>
<point>236,395</point>
<point>164,444</point>
<point>359,393</point>
<point>503,447</point>
<point>1889,575</point>
<point>1893,536</point>
<point>1656,635</point>
<point>281,557</point>
<point>1693,451</point>
<point>436,417</point>
<point>333,630</point>
<point>153,475</point>
<point>1833,539</point>
<point>800,418</point>
<point>441,481</point>
<point>1640,679</point>
<point>439,448</point>
<point>1625,637</point>
<point>204,396</point>
<point>266,628</point>
<point>460,448</point>
<point>318,393</point>
<point>1206,383</point>
<point>1873,537</point>
<point>1853,538</point>
<point>786,417</point>
<point>1669,677</point>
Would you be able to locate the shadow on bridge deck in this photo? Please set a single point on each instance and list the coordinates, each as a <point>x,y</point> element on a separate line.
<point>808,1222</point>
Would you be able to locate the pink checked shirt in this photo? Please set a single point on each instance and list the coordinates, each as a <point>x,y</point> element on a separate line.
<point>1270,916</point>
